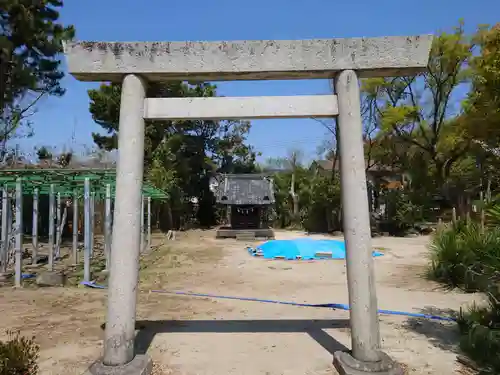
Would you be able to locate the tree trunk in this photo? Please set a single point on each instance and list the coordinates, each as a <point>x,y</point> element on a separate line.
<point>488,190</point>
<point>295,198</point>
<point>165,217</point>
<point>336,156</point>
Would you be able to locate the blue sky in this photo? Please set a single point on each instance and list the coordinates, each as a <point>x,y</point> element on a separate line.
<point>65,122</point>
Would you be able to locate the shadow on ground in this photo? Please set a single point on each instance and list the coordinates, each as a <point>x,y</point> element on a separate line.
<point>442,334</point>
<point>314,328</point>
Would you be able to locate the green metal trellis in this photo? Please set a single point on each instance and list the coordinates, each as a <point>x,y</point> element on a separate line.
<point>89,184</point>
<point>69,181</point>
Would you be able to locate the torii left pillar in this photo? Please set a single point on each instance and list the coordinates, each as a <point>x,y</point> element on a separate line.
<point>119,336</point>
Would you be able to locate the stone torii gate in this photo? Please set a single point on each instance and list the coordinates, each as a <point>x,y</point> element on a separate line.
<point>346,60</point>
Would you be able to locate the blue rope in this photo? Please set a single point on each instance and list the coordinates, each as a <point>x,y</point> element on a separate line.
<point>337,306</point>
<point>238,298</point>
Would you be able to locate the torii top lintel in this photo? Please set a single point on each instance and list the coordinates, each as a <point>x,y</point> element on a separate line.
<point>248,60</point>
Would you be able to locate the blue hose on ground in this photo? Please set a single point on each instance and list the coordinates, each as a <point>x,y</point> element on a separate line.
<point>338,306</point>
<point>239,298</point>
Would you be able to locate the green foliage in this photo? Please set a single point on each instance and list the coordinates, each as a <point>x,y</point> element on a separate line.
<point>480,328</point>
<point>482,107</point>
<point>30,42</point>
<point>402,212</point>
<point>397,116</point>
<point>158,172</point>
<point>491,209</point>
<point>180,156</point>
<point>43,153</point>
<point>18,355</point>
<point>284,209</point>
<point>318,197</point>
<point>493,214</point>
<point>322,211</point>
<point>413,113</point>
<point>30,46</point>
<point>463,256</point>
<point>482,344</point>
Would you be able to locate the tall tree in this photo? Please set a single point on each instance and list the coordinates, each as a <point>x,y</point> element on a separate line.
<point>292,162</point>
<point>30,43</point>
<point>222,141</point>
<point>482,108</point>
<point>180,156</point>
<point>420,112</point>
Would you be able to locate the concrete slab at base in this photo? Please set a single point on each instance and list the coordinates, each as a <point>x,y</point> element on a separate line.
<point>140,365</point>
<point>104,273</point>
<point>267,233</point>
<point>346,364</point>
<point>5,276</point>
<point>51,278</point>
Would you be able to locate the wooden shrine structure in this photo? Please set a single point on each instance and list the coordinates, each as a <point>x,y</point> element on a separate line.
<point>247,198</point>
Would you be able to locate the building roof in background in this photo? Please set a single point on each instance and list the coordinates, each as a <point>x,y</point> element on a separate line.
<point>73,163</point>
<point>328,166</point>
<point>243,189</point>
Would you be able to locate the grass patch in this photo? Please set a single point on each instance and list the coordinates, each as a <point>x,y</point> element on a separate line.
<point>18,355</point>
<point>480,335</point>
<point>97,265</point>
<point>464,256</point>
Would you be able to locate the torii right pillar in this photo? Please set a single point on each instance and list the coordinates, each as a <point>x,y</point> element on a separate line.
<point>366,356</point>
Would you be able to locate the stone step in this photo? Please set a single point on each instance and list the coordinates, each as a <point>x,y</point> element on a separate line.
<point>245,236</point>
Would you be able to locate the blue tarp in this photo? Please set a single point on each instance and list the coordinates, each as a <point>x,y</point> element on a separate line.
<point>302,248</point>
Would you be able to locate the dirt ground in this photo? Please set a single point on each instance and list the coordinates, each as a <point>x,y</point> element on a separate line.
<point>203,336</point>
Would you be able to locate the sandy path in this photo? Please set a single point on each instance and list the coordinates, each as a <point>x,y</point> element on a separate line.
<point>200,336</point>
<point>277,339</point>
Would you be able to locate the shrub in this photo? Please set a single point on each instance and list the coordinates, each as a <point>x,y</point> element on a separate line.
<point>480,328</point>
<point>492,211</point>
<point>463,256</point>
<point>401,212</point>
<point>18,355</point>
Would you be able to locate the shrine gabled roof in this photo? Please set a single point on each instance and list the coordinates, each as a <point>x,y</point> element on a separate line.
<point>243,189</point>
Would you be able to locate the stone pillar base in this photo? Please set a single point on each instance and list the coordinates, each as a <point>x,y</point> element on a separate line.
<point>51,278</point>
<point>140,365</point>
<point>104,273</point>
<point>346,364</point>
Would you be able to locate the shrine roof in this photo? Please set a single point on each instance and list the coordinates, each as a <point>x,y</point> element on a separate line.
<point>243,189</point>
